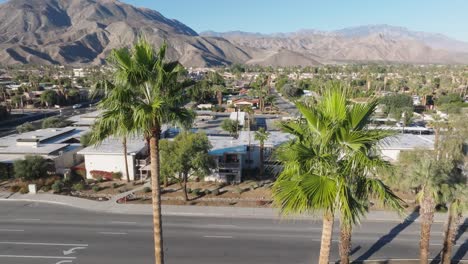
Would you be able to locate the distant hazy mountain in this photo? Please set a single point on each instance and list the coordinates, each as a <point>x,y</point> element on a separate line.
<point>85,31</point>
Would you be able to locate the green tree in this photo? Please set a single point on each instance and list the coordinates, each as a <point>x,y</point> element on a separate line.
<point>85,140</point>
<point>158,100</point>
<point>186,155</point>
<point>230,126</point>
<point>394,103</point>
<point>324,165</point>
<point>26,127</point>
<point>31,168</point>
<point>49,98</point>
<point>261,136</point>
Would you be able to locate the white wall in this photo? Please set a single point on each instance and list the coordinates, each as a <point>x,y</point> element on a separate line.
<point>391,153</point>
<point>110,163</point>
<point>67,160</point>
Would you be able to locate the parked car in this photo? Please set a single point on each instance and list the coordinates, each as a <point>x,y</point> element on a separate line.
<point>77,106</point>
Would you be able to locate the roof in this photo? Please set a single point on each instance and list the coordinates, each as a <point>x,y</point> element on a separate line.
<point>40,142</point>
<point>408,142</point>
<point>228,144</point>
<point>113,146</point>
<point>87,119</point>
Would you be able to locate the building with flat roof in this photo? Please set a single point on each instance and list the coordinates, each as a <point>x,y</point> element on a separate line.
<point>391,147</point>
<point>85,120</point>
<point>57,145</point>
<point>109,157</point>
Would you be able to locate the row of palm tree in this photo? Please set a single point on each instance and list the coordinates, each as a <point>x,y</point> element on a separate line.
<point>330,167</point>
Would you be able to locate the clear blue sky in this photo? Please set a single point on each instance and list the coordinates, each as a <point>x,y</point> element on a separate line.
<point>449,17</point>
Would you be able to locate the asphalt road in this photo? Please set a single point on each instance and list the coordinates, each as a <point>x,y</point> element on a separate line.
<point>34,233</point>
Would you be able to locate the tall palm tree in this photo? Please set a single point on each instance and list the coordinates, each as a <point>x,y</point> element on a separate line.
<point>158,100</point>
<point>319,164</point>
<point>116,119</point>
<point>262,135</point>
<point>457,203</point>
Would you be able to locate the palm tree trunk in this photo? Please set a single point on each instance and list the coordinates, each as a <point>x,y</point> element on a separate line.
<point>345,243</point>
<point>219,94</point>
<point>156,197</point>
<point>450,232</point>
<point>261,160</point>
<point>184,182</point>
<point>124,143</point>
<point>325,244</point>
<point>427,217</point>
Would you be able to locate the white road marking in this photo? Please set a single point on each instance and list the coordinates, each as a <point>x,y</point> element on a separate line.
<point>42,244</point>
<point>72,250</point>
<point>64,261</point>
<point>36,257</point>
<point>217,236</point>
<point>11,230</point>
<point>113,233</point>
<point>118,222</point>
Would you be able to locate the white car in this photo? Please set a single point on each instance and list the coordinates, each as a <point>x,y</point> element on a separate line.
<point>77,106</point>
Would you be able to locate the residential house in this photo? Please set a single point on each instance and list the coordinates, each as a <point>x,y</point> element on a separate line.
<point>58,145</point>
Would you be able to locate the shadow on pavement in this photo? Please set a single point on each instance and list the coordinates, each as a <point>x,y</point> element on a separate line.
<point>384,240</point>
<point>461,251</point>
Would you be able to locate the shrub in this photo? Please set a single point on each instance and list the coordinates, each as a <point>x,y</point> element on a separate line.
<point>57,186</point>
<point>96,174</point>
<point>24,190</point>
<point>117,175</point>
<point>100,179</point>
<point>115,185</point>
<point>196,191</point>
<point>238,190</point>
<point>45,188</point>
<point>90,181</point>
<point>215,192</point>
<point>96,188</point>
<point>78,187</point>
<point>15,188</point>
<point>31,168</point>
<point>147,189</point>
<point>51,180</point>
<point>207,192</point>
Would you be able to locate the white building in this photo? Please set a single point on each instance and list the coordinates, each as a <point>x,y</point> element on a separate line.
<point>58,145</point>
<point>109,157</point>
<point>232,155</point>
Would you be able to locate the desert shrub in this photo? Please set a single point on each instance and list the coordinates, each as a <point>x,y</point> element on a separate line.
<point>15,188</point>
<point>147,189</point>
<point>207,192</point>
<point>51,180</point>
<point>196,191</point>
<point>96,188</point>
<point>54,122</point>
<point>115,185</point>
<point>78,187</point>
<point>215,192</point>
<point>96,174</point>
<point>45,188</point>
<point>100,179</point>
<point>238,190</point>
<point>31,168</point>
<point>24,190</point>
<point>90,181</point>
<point>57,187</point>
<point>116,175</point>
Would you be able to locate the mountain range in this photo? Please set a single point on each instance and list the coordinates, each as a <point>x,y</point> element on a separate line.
<point>82,32</point>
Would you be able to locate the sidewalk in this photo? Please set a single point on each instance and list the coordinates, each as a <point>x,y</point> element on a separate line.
<point>112,206</point>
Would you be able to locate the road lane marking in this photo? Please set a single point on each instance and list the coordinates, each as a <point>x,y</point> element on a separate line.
<point>36,257</point>
<point>227,237</point>
<point>42,244</point>
<point>72,250</point>
<point>64,261</point>
<point>11,230</point>
<point>112,233</point>
<point>127,223</point>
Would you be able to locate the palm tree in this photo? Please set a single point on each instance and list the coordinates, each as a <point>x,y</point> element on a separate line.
<point>158,100</point>
<point>116,120</point>
<point>319,164</point>
<point>217,85</point>
<point>457,202</point>
<point>261,135</point>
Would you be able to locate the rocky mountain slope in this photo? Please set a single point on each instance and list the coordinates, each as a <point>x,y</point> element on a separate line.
<point>85,31</point>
